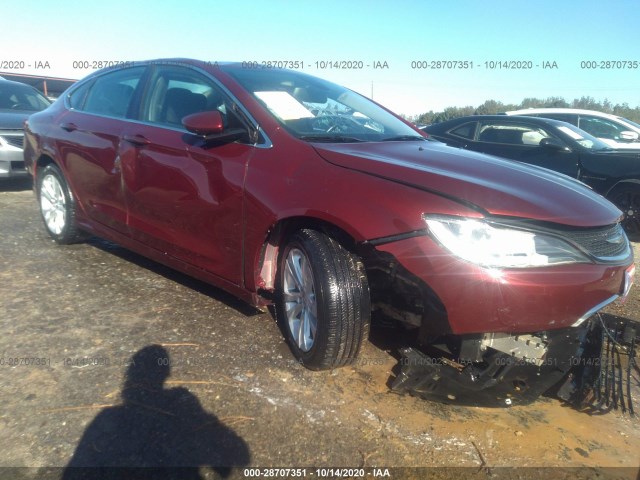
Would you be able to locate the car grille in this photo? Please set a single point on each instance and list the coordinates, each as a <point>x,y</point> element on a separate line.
<point>17,165</point>
<point>603,243</point>
<point>14,140</point>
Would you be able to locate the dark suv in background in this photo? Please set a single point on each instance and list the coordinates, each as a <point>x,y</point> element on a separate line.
<point>17,102</point>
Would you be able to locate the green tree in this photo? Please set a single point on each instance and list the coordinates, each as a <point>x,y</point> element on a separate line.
<point>588,103</point>
<point>490,107</point>
<point>555,102</point>
<point>531,102</point>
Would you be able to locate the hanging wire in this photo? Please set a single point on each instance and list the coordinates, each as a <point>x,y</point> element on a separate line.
<point>609,389</point>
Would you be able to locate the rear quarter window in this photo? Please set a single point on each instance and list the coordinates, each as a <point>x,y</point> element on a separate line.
<point>77,97</point>
<point>467,131</point>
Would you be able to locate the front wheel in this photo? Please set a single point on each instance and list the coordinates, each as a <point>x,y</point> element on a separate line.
<point>323,300</point>
<point>57,206</point>
<point>627,199</point>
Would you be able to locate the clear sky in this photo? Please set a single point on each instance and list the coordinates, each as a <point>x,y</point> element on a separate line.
<point>397,32</point>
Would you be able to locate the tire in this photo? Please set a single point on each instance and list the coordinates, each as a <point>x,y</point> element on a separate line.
<point>324,287</point>
<point>627,199</point>
<point>57,206</point>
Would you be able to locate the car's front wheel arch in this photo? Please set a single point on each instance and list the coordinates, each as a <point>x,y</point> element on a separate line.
<point>42,162</point>
<point>266,258</point>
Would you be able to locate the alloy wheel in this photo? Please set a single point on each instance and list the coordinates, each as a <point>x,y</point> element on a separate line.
<point>53,204</point>
<point>301,308</point>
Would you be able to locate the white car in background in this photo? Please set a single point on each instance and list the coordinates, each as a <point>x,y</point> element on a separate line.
<point>617,132</point>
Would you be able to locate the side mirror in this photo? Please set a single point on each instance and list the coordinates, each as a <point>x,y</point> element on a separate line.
<point>204,123</point>
<point>554,144</point>
<point>629,136</point>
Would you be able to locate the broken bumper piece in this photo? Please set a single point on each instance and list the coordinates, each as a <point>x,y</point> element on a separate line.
<point>595,361</point>
<point>499,384</point>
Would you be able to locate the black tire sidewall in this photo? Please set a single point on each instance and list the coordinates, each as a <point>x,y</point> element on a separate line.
<point>615,197</point>
<point>313,358</point>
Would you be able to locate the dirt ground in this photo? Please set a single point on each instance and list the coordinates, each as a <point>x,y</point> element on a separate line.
<point>76,316</point>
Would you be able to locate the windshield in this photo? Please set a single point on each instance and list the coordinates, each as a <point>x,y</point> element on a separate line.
<point>583,138</point>
<point>21,97</point>
<point>319,111</point>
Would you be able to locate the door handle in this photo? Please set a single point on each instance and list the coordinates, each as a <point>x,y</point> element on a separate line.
<point>69,127</point>
<point>138,140</point>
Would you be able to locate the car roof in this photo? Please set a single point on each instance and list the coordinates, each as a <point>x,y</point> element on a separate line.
<point>575,111</point>
<point>205,64</point>
<point>513,119</point>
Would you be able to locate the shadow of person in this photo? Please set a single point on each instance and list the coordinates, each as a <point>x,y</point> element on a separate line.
<point>156,433</point>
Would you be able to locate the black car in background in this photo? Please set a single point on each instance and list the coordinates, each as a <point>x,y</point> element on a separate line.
<point>555,145</point>
<point>17,102</point>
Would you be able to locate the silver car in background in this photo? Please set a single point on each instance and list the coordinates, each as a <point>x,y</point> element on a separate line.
<point>17,102</point>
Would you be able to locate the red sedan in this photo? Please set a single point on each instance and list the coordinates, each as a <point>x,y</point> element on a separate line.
<point>286,189</point>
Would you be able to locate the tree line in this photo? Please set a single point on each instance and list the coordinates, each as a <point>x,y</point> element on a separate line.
<point>492,107</point>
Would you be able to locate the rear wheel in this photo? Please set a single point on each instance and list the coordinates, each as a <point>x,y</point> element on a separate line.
<point>323,300</point>
<point>57,206</point>
<point>627,199</point>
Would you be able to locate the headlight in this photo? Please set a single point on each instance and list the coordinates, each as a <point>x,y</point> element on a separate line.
<point>500,247</point>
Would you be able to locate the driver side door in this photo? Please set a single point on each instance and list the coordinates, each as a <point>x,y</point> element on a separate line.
<point>184,194</point>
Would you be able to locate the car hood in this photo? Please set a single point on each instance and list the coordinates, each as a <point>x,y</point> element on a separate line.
<point>490,184</point>
<point>11,119</point>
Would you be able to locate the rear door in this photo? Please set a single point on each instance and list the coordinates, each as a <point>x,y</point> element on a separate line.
<point>89,143</point>
<point>184,194</point>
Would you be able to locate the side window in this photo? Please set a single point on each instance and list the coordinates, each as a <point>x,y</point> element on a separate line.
<point>467,131</point>
<point>179,91</point>
<point>21,97</point>
<point>600,127</point>
<point>77,97</point>
<point>111,94</point>
<point>511,134</point>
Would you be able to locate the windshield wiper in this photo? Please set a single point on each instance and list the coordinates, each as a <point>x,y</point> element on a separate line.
<point>330,138</point>
<point>404,138</point>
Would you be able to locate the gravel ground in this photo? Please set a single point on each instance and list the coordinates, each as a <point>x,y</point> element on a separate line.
<point>132,363</point>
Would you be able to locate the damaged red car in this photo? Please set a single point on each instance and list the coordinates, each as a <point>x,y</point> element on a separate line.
<point>291,191</point>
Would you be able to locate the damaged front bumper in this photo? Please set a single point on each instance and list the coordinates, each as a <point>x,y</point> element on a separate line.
<point>595,359</point>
